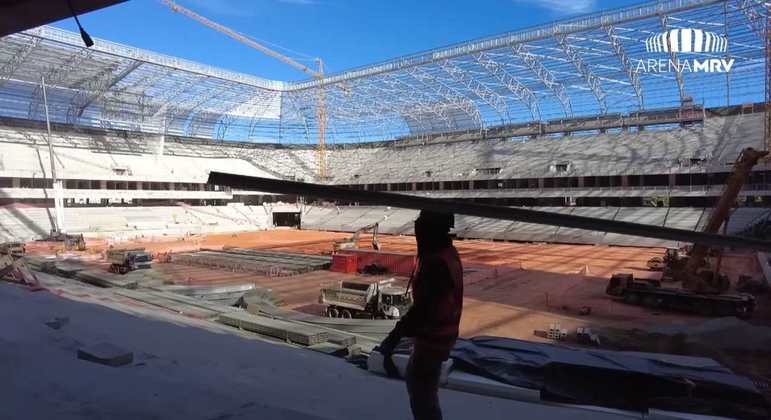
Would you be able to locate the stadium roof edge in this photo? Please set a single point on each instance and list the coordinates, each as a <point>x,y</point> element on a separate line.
<point>147,56</point>
<point>566,26</point>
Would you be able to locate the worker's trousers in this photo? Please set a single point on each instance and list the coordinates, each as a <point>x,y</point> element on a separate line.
<point>422,379</point>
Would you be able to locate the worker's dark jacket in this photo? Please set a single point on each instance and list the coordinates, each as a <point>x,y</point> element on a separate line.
<point>437,294</point>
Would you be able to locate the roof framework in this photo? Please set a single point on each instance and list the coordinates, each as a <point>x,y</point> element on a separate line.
<point>588,65</point>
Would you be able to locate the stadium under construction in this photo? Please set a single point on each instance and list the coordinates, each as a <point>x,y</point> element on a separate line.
<point>607,172</point>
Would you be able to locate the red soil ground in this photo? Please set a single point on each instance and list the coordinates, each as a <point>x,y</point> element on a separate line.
<point>511,288</point>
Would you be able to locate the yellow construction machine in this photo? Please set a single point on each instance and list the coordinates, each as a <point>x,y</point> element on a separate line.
<point>703,286</point>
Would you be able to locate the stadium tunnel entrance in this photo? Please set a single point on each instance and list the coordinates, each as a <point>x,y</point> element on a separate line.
<point>286,219</point>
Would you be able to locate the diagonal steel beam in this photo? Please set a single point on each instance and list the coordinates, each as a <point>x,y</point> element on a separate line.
<point>494,100</point>
<point>755,19</point>
<point>55,75</point>
<point>481,210</point>
<point>545,76</point>
<point>618,50</point>
<point>520,91</point>
<point>8,69</point>
<point>290,100</point>
<point>441,89</point>
<point>420,102</point>
<point>583,69</point>
<point>663,19</point>
<point>105,85</point>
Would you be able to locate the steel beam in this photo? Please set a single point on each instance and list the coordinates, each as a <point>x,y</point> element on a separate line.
<point>448,94</point>
<point>137,54</point>
<point>104,85</point>
<point>618,50</point>
<point>54,77</point>
<point>574,25</point>
<point>8,69</point>
<point>545,76</point>
<point>481,210</point>
<point>520,91</point>
<point>592,81</point>
<point>420,101</point>
<point>673,56</point>
<point>755,19</point>
<point>494,100</point>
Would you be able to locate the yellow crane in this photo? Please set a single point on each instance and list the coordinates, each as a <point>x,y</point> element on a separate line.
<point>320,109</point>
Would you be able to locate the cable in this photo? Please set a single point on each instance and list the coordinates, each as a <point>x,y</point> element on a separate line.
<point>83,34</point>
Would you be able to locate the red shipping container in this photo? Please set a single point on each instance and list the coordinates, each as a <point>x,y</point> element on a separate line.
<point>343,263</point>
<point>398,263</point>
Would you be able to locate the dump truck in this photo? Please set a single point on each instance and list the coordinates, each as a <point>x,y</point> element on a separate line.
<point>650,293</point>
<point>362,300</point>
<point>124,260</point>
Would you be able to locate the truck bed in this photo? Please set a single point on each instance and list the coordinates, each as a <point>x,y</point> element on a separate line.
<point>348,298</point>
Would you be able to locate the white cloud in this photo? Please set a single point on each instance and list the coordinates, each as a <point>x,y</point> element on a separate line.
<point>565,7</point>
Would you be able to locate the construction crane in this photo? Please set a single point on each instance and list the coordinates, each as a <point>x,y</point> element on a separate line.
<point>320,109</point>
<point>703,286</point>
<point>712,282</point>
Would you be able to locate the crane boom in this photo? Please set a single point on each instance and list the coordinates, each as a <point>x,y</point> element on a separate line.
<point>748,158</point>
<point>240,38</point>
<point>321,110</point>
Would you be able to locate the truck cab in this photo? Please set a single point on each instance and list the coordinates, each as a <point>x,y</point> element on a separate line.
<point>394,302</point>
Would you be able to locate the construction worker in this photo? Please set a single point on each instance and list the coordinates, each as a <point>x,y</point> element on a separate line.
<point>433,319</point>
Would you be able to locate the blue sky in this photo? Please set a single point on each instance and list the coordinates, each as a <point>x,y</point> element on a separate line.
<point>345,33</point>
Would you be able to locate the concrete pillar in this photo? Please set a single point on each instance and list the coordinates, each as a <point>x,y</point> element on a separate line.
<point>139,185</point>
<point>15,183</point>
<point>103,184</point>
<point>580,182</point>
<point>161,143</point>
<point>672,180</point>
<point>624,181</point>
<point>540,183</point>
<point>59,205</point>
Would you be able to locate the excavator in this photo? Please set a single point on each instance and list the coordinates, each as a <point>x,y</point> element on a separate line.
<point>703,287</point>
<point>352,242</point>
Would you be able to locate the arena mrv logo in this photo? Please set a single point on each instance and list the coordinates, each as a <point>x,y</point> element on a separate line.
<point>686,41</point>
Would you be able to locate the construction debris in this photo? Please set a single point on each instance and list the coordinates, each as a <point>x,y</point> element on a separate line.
<point>106,354</point>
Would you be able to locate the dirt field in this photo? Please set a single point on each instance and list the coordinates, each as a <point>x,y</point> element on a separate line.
<point>510,288</point>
